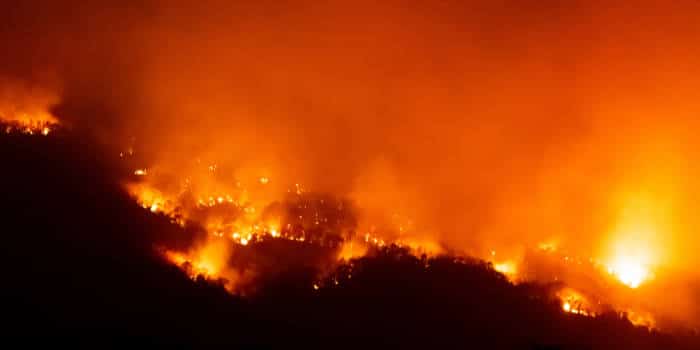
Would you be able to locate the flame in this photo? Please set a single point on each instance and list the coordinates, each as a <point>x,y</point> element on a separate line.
<point>635,245</point>
<point>629,270</point>
<point>209,260</point>
<point>25,109</point>
<point>638,318</point>
<point>548,246</point>
<point>421,246</point>
<point>29,125</point>
<point>576,303</point>
<point>193,266</point>
<point>508,268</point>
<point>235,217</point>
<point>232,218</point>
<point>615,127</point>
<point>351,250</point>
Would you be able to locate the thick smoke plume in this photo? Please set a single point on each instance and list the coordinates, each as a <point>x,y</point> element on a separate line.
<point>485,126</point>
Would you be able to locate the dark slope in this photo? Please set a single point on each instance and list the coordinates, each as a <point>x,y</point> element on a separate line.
<point>79,268</point>
<point>78,259</point>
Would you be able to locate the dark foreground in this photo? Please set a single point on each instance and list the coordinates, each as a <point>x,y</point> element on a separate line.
<point>79,268</point>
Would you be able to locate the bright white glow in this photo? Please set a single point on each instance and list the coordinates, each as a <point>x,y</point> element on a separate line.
<point>629,271</point>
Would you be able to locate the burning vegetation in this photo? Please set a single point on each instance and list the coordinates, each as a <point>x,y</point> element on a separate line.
<point>232,215</point>
<point>26,110</point>
<point>246,243</point>
<point>550,145</point>
<point>233,218</point>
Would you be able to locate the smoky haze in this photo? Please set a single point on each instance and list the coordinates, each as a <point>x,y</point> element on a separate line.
<point>489,124</point>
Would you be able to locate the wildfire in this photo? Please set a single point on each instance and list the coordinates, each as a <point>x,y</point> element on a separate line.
<point>195,268</point>
<point>149,198</point>
<point>251,228</point>
<point>635,246</point>
<point>208,261</point>
<point>638,318</point>
<point>233,219</point>
<point>350,250</point>
<point>235,216</point>
<point>26,110</point>
<point>29,126</point>
<point>629,271</point>
<point>548,246</point>
<point>508,268</point>
<point>575,303</point>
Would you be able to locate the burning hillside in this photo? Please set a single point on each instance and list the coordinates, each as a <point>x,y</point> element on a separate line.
<point>26,110</point>
<point>301,270</point>
<point>551,146</point>
<point>233,220</point>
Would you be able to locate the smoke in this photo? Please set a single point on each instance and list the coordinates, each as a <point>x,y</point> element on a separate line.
<point>493,125</point>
